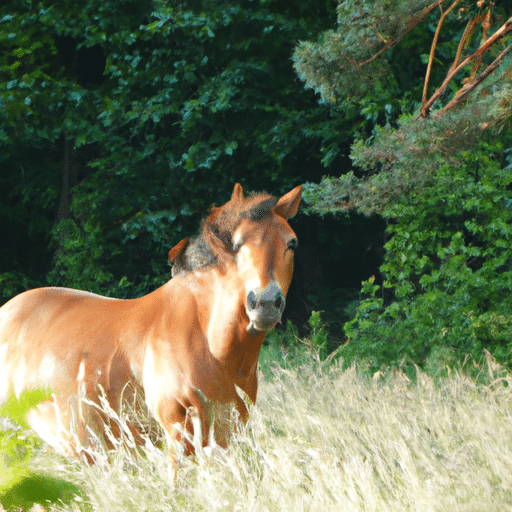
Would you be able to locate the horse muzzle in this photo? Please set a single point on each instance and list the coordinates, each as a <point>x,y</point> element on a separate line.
<point>264,307</point>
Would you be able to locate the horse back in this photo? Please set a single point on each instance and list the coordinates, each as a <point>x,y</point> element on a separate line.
<point>53,337</point>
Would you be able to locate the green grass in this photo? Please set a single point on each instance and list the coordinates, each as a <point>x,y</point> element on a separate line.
<point>322,438</point>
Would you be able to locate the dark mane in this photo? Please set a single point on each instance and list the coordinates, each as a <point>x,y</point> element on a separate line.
<point>213,246</point>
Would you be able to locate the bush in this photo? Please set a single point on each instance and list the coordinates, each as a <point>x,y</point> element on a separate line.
<point>449,265</point>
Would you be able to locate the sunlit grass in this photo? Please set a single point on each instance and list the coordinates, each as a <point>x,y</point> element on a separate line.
<point>322,439</point>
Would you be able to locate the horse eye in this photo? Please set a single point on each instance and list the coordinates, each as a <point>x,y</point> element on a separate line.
<point>293,244</point>
<point>236,246</point>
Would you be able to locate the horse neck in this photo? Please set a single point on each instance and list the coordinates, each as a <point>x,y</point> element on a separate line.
<point>135,318</point>
<point>221,303</point>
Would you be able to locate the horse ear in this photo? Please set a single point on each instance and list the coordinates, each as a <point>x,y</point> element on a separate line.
<point>238,193</point>
<point>288,205</point>
<point>178,249</point>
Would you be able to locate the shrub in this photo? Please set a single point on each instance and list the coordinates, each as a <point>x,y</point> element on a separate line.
<point>449,265</point>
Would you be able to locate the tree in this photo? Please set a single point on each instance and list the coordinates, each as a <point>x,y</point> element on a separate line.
<point>360,61</point>
<point>433,164</point>
<point>128,119</point>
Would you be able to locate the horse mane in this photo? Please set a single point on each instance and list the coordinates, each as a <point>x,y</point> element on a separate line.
<point>213,246</point>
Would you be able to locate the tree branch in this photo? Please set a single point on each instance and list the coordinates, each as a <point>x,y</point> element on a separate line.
<point>468,34</point>
<point>475,82</point>
<point>504,29</point>
<point>485,27</point>
<point>433,48</point>
<point>417,21</point>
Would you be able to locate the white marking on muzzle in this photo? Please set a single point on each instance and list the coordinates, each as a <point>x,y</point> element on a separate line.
<point>252,284</point>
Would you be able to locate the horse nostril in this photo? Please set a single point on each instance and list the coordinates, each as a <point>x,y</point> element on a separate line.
<point>279,301</point>
<point>252,302</point>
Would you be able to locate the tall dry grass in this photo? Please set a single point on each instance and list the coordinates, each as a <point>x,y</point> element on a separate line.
<point>323,439</point>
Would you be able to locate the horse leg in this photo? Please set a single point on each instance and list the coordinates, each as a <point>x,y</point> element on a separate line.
<point>59,425</point>
<point>185,425</point>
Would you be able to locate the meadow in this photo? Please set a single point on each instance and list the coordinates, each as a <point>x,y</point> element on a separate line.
<point>322,437</point>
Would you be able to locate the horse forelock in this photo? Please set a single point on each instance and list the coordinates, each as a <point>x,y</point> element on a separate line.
<point>213,245</point>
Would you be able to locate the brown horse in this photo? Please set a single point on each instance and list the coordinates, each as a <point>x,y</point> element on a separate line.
<point>189,344</point>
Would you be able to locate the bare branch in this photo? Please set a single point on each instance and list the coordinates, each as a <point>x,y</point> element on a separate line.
<point>503,30</point>
<point>465,39</point>
<point>476,81</point>
<point>486,23</point>
<point>433,48</point>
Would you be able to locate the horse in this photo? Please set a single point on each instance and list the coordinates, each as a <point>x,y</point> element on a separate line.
<point>191,346</point>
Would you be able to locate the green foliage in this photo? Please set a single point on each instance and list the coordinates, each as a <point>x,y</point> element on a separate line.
<point>331,66</point>
<point>285,348</point>
<point>448,262</point>
<point>16,408</point>
<point>19,486</point>
<point>401,143</point>
<point>377,45</point>
<point>318,337</point>
<point>164,107</point>
<point>16,445</point>
<point>11,284</point>
<point>41,489</point>
<point>435,171</point>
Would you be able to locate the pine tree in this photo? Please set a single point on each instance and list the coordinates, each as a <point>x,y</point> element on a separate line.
<point>433,157</point>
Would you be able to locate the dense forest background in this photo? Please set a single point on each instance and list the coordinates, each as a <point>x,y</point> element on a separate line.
<point>122,121</point>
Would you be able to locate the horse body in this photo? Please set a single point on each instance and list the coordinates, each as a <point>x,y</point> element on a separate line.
<point>189,344</point>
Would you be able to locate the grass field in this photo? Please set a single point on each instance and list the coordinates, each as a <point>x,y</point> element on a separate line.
<point>323,439</point>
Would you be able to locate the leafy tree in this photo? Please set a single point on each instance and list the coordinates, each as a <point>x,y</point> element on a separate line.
<point>433,162</point>
<point>360,63</point>
<point>131,118</point>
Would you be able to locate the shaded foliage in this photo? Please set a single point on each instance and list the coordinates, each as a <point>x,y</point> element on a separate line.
<point>409,132</point>
<point>122,122</point>
<point>341,63</point>
<point>435,165</point>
